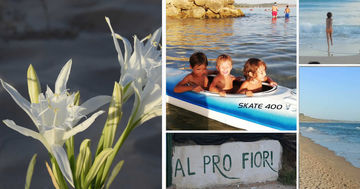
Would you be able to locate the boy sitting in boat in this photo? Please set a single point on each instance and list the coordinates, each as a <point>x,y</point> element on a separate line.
<point>223,82</point>
<point>197,80</point>
<point>255,73</point>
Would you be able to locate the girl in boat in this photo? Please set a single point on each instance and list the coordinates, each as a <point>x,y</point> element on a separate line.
<point>255,73</point>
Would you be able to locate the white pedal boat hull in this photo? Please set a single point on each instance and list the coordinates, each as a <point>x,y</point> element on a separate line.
<point>271,110</point>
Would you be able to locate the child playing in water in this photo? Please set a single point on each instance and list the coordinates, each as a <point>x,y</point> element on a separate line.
<point>274,10</point>
<point>223,82</point>
<point>197,80</point>
<point>255,74</point>
<point>287,12</point>
<point>329,29</point>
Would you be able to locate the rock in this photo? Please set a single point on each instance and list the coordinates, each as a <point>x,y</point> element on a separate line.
<point>227,12</point>
<point>172,11</point>
<point>230,2</point>
<point>200,2</point>
<point>211,14</point>
<point>182,4</point>
<point>202,9</point>
<point>214,5</point>
<point>240,12</point>
<point>197,12</point>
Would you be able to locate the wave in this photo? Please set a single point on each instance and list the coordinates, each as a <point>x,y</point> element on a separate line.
<point>310,29</point>
<point>358,128</point>
<point>309,129</point>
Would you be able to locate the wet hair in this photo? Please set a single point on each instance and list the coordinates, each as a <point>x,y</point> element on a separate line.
<point>197,59</point>
<point>223,58</point>
<point>252,65</point>
<point>329,14</point>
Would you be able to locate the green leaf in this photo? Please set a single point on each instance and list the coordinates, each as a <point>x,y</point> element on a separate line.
<point>114,116</point>
<point>114,173</point>
<point>99,161</point>
<point>57,174</point>
<point>33,85</point>
<point>86,165</point>
<point>77,98</point>
<point>109,131</point>
<point>126,88</point>
<point>80,160</point>
<point>30,171</point>
<point>70,153</point>
<point>53,179</point>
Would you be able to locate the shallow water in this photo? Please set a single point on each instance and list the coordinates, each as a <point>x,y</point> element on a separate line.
<point>255,35</point>
<point>342,138</point>
<point>346,27</point>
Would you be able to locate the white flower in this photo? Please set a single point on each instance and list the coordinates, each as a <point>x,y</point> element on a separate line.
<point>138,65</point>
<point>55,116</point>
<point>147,103</point>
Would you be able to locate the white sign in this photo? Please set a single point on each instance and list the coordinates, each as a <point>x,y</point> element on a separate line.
<point>195,166</point>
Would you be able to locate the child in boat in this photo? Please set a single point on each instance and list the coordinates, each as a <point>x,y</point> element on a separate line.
<point>223,82</point>
<point>287,12</point>
<point>274,10</point>
<point>197,80</point>
<point>255,73</point>
<point>329,29</point>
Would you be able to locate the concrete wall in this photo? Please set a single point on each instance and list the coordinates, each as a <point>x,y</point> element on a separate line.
<point>197,166</point>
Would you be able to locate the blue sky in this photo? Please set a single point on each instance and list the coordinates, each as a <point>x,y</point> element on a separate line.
<point>330,92</point>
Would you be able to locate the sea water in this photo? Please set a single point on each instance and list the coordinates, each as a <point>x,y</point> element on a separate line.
<point>312,25</point>
<point>255,35</point>
<point>342,138</point>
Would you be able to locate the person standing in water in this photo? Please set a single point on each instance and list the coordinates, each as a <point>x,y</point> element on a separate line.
<point>274,10</point>
<point>329,29</point>
<point>287,12</point>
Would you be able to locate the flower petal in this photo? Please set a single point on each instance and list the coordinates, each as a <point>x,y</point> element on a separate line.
<point>27,132</point>
<point>152,44</point>
<point>82,126</point>
<point>94,103</point>
<point>60,84</point>
<point>116,43</point>
<point>63,162</point>
<point>20,100</point>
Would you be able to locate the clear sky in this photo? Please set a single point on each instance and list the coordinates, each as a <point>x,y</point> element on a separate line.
<point>330,92</point>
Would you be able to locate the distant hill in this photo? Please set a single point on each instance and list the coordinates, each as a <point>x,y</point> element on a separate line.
<point>304,118</point>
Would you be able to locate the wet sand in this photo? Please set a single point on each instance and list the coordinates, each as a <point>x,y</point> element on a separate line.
<point>321,168</point>
<point>313,60</point>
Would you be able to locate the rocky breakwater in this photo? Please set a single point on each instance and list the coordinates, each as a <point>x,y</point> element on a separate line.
<point>202,9</point>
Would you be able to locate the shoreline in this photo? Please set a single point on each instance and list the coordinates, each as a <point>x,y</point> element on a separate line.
<point>352,59</point>
<point>321,167</point>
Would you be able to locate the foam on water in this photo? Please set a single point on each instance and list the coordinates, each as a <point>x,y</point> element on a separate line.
<point>342,138</point>
<point>346,27</point>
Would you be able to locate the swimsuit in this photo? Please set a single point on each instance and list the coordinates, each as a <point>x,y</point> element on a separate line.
<point>274,13</point>
<point>287,15</point>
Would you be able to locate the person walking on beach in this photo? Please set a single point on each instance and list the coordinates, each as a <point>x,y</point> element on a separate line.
<point>287,12</point>
<point>274,10</point>
<point>329,29</point>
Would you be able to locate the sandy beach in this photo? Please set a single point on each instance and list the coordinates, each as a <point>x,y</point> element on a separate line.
<point>321,168</point>
<point>354,59</point>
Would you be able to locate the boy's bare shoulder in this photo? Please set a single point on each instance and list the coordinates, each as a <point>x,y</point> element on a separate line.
<point>245,83</point>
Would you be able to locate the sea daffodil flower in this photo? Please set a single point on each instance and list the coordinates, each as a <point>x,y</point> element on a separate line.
<point>55,116</point>
<point>138,65</point>
<point>147,103</point>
